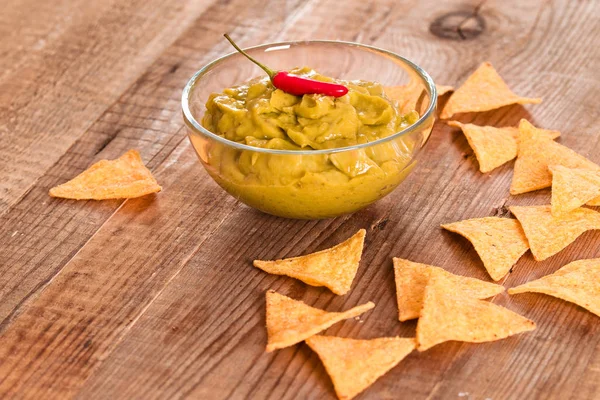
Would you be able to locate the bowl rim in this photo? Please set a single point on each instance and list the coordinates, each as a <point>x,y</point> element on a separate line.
<point>197,128</point>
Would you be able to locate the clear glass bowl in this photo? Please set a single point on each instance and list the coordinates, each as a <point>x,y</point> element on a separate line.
<point>285,182</point>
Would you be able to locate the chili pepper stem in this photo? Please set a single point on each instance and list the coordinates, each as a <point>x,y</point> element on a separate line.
<point>268,70</point>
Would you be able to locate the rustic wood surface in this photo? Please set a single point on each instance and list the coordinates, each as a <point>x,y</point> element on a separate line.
<point>156,297</point>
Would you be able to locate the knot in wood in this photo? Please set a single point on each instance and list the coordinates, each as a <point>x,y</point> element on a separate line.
<point>458,25</point>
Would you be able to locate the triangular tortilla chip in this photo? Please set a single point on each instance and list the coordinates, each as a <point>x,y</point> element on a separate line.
<point>406,96</point>
<point>594,202</point>
<point>449,314</point>
<point>572,188</point>
<point>548,234</point>
<point>354,365</point>
<point>500,242</point>
<point>484,90</point>
<point>291,321</point>
<point>577,282</point>
<point>494,146</point>
<point>536,154</point>
<point>411,280</point>
<point>334,268</point>
<point>526,130</point>
<point>123,178</point>
<point>443,89</point>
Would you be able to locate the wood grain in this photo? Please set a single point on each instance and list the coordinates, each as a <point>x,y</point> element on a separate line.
<point>157,298</point>
<point>61,73</point>
<point>147,117</point>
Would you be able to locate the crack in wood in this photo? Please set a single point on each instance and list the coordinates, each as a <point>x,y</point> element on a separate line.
<point>107,141</point>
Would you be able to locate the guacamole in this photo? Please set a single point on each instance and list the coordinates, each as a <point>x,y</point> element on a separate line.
<point>306,185</point>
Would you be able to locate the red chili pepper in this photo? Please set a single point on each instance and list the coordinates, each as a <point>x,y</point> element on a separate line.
<point>299,86</point>
<point>294,84</point>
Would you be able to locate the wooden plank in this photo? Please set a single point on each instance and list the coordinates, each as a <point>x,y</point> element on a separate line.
<point>42,234</point>
<point>75,313</point>
<point>63,64</point>
<point>204,336</point>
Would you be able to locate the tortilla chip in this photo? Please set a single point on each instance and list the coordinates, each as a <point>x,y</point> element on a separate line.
<point>407,97</point>
<point>577,282</point>
<point>354,365</point>
<point>484,90</point>
<point>124,178</point>
<point>449,314</point>
<point>411,280</point>
<point>410,97</point>
<point>443,89</point>
<point>500,242</point>
<point>526,130</point>
<point>492,146</point>
<point>291,321</point>
<point>548,234</point>
<point>572,188</point>
<point>536,154</point>
<point>594,202</point>
<point>333,268</point>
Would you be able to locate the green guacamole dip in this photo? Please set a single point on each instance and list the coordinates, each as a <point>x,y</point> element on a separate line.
<point>306,185</point>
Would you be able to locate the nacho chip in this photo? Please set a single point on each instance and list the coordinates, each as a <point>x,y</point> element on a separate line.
<point>411,96</point>
<point>124,178</point>
<point>354,365</point>
<point>577,282</point>
<point>500,242</point>
<point>291,321</point>
<point>484,90</point>
<point>449,314</point>
<point>407,97</point>
<point>526,130</point>
<point>572,188</point>
<point>536,154</point>
<point>594,202</point>
<point>548,234</point>
<point>494,146</point>
<point>443,89</point>
<point>333,268</point>
<point>411,280</point>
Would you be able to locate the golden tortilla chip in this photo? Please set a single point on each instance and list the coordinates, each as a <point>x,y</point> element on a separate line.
<point>494,146</point>
<point>484,90</point>
<point>577,282</point>
<point>411,280</point>
<point>538,132</point>
<point>443,89</point>
<point>407,97</point>
<point>526,130</point>
<point>536,154</point>
<point>548,234</point>
<point>124,178</point>
<point>449,314</point>
<point>354,365</point>
<point>572,188</point>
<point>594,202</point>
<point>411,96</point>
<point>500,242</point>
<point>291,321</point>
<point>333,268</point>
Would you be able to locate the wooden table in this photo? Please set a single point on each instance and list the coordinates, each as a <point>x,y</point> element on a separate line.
<point>156,297</point>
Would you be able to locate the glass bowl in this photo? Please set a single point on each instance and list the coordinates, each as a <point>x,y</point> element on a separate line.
<point>312,184</point>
